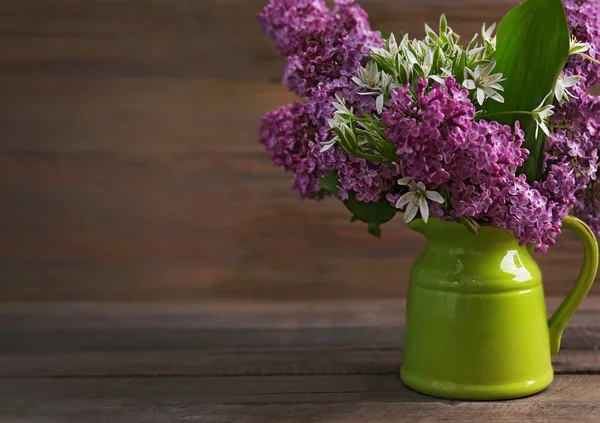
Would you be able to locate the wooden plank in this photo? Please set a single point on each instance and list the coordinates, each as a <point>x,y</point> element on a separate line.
<point>69,341</point>
<point>77,340</point>
<point>194,362</point>
<point>122,363</point>
<point>281,399</point>
<point>228,314</point>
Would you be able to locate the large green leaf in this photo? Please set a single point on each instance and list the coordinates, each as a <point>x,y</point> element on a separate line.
<point>532,50</point>
<point>373,214</point>
<point>329,183</point>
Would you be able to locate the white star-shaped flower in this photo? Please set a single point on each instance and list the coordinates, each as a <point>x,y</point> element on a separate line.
<point>541,114</point>
<point>416,199</point>
<point>560,92</point>
<point>486,83</point>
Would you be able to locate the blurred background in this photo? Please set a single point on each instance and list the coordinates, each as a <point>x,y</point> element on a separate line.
<point>130,169</point>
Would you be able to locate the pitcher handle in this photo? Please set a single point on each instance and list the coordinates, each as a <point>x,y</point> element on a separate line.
<point>584,282</point>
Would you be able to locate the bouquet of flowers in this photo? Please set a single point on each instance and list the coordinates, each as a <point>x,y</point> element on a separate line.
<point>500,130</point>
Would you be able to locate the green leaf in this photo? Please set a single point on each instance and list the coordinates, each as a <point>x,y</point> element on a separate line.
<point>373,214</point>
<point>384,34</point>
<point>329,183</point>
<point>436,60</point>
<point>384,64</point>
<point>434,37</point>
<point>473,42</point>
<point>459,67</point>
<point>443,24</point>
<point>532,50</point>
<point>471,224</point>
<point>374,229</point>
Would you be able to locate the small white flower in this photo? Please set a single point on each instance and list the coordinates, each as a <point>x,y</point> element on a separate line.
<point>390,50</point>
<point>378,83</point>
<point>560,92</point>
<point>326,145</point>
<point>475,51</point>
<point>416,199</point>
<point>337,121</point>
<point>379,103</point>
<point>388,83</point>
<point>486,83</point>
<point>409,56</point>
<point>541,114</point>
<point>577,47</point>
<point>427,63</point>
<point>442,78</point>
<point>487,35</point>
<point>581,49</point>
<point>393,47</point>
<point>368,77</point>
<point>342,119</point>
<point>438,79</point>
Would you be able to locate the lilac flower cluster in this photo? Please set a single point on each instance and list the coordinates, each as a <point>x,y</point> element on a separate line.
<point>474,162</point>
<point>290,137</point>
<point>370,181</point>
<point>426,131</point>
<point>321,45</point>
<point>587,206</point>
<point>584,22</point>
<point>324,48</point>
<point>573,149</point>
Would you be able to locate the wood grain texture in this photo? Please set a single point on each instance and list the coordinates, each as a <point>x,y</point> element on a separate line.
<point>125,175</point>
<point>258,362</point>
<point>208,340</point>
<point>279,399</point>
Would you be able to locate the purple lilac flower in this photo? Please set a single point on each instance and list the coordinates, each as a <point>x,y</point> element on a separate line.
<point>324,49</point>
<point>370,181</point>
<point>321,44</point>
<point>291,24</point>
<point>428,131</point>
<point>587,206</point>
<point>290,137</point>
<point>524,211</point>
<point>441,145</point>
<point>584,22</point>
<point>574,148</point>
<point>559,189</point>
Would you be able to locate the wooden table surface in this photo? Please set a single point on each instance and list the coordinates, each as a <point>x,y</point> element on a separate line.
<point>260,362</point>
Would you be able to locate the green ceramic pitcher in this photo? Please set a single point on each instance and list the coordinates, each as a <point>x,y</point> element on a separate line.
<point>476,322</point>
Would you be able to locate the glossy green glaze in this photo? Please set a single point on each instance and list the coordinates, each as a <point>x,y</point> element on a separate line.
<point>476,325</point>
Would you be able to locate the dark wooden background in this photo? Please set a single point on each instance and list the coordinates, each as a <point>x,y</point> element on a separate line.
<point>129,167</point>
